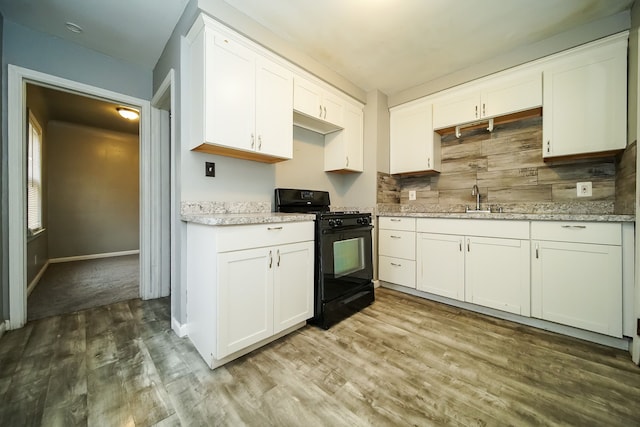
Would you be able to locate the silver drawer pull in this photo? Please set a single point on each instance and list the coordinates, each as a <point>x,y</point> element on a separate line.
<point>574,226</point>
<point>274,228</point>
<point>395,237</point>
<point>395,220</point>
<point>396,265</point>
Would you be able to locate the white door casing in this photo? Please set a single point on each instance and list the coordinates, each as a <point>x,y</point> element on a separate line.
<point>18,77</point>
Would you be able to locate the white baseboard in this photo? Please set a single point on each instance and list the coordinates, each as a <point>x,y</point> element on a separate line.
<point>93,256</point>
<point>179,329</point>
<point>36,279</point>
<point>376,283</point>
<point>3,328</point>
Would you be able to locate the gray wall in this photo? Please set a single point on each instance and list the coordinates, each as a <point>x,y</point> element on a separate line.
<point>633,74</point>
<point>37,51</point>
<point>93,194</point>
<point>4,288</point>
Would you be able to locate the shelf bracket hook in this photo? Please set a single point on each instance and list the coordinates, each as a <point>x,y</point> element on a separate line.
<point>490,128</point>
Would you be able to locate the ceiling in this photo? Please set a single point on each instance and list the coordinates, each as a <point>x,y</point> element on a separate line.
<point>134,31</point>
<point>390,45</point>
<point>393,45</point>
<point>68,107</point>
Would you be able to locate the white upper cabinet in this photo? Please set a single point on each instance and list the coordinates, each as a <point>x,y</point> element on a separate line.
<point>316,108</point>
<point>414,146</point>
<point>343,150</point>
<point>585,100</point>
<point>240,100</point>
<point>274,122</point>
<point>499,96</point>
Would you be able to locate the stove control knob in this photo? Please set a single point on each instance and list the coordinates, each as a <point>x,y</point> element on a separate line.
<point>338,222</point>
<point>364,220</point>
<point>332,223</point>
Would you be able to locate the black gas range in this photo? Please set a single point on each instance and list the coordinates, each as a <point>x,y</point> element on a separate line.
<point>343,254</point>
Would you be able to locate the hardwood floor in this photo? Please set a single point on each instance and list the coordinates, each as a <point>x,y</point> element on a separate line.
<point>72,286</point>
<point>401,361</point>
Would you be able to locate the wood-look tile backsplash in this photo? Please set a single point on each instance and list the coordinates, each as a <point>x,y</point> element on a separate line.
<point>507,166</point>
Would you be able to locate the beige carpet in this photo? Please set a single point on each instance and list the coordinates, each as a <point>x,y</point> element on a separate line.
<point>78,285</point>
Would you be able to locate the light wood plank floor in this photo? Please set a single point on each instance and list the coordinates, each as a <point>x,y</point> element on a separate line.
<point>401,361</point>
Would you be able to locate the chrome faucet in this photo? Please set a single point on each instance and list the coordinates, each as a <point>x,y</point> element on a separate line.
<point>475,191</point>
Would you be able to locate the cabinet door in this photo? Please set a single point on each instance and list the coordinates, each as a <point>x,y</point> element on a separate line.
<point>456,109</point>
<point>244,299</point>
<point>274,104</point>
<point>230,97</point>
<point>578,284</point>
<point>307,98</point>
<point>585,103</point>
<point>440,264</point>
<point>332,109</point>
<point>511,95</point>
<point>414,147</point>
<point>293,284</point>
<point>497,274</point>
<point>343,150</point>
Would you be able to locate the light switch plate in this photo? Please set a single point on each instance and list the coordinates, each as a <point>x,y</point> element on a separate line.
<point>584,189</point>
<point>412,194</point>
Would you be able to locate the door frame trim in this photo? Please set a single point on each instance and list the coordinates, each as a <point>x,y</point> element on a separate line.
<point>17,78</point>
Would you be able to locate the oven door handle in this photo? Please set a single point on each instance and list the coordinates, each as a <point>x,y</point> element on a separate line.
<point>347,229</point>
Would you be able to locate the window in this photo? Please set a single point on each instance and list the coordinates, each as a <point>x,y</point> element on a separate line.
<point>34,175</point>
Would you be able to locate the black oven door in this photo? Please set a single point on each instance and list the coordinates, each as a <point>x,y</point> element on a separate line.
<point>345,262</point>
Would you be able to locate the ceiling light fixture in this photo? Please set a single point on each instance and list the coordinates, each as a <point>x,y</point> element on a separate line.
<point>74,28</point>
<point>128,113</point>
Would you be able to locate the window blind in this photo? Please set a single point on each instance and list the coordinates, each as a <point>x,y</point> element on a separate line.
<point>34,175</point>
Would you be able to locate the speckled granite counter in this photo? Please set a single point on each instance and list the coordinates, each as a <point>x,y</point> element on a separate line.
<point>245,218</point>
<point>514,216</point>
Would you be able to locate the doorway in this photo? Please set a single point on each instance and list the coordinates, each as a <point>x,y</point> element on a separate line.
<point>150,186</point>
<point>83,207</point>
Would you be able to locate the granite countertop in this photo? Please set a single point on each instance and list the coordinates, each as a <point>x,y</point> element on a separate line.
<point>515,216</point>
<point>244,218</point>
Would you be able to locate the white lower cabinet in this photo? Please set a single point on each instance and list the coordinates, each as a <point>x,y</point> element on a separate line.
<point>477,261</point>
<point>577,276</point>
<point>397,251</point>
<point>440,264</point>
<point>246,285</point>
<point>497,274</point>
<point>488,271</point>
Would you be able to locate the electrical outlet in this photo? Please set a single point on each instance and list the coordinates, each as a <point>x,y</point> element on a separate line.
<point>584,189</point>
<point>209,169</point>
<point>412,194</point>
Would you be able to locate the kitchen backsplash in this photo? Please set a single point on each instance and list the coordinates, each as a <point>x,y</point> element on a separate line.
<point>507,166</point>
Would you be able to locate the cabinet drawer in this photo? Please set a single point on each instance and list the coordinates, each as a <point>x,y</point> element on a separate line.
<point>238,237</point>
<point>398,271</point>
<point>397,223</point>
<point>398,244</point>
<point>579,232</point>
<point>506,229</point>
